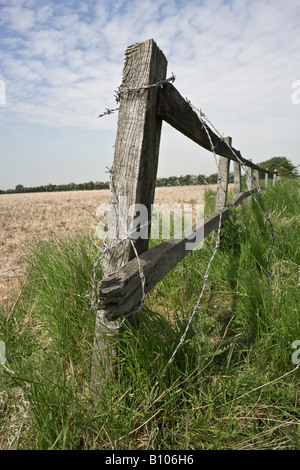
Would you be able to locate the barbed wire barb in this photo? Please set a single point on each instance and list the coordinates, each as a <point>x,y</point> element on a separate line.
<point>108,111</point>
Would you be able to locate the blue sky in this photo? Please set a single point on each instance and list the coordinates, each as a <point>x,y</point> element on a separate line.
<point>60,63</point>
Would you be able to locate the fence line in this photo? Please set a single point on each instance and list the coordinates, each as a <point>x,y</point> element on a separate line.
<point>130,270</point>
<point>258,190</point>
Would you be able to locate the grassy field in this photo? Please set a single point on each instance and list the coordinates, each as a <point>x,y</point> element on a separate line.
<point>26,219</point>
<point>233,384</point>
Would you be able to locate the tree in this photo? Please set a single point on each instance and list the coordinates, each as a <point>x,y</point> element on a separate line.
<point>201,179</point>
<point>89,185</point>
<point>282,165</point>
<point>212,179</point>
<point>172,181</point>
<point>19,188</point>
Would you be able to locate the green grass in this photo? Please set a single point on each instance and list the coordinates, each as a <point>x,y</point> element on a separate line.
<point>231,385</point>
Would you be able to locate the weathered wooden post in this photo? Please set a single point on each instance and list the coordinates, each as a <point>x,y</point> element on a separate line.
<point>224,175</point>
<point>236,171</point>
<point>133,178</point>
<point>266,178</point>
<point>249,176</point>
<point>237,177</point>
<point>274,177</point>
<point>249,181</point>
<point>256,172</point>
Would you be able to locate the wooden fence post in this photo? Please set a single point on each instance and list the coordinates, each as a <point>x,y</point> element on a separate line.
<point>237,177</point>
<point>249,177</point>
<point>256,172</point>
<point>274,177</point>
<point>224,175</point>
<point>266,179</point>
<point>249,181</point>
<point>133,178</point>
<point>236,171</point>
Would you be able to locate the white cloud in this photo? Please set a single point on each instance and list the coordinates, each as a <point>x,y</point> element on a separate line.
<point>62,61</point>
<point>18,18</point>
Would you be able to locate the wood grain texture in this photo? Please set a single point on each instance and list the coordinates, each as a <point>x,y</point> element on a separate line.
<point>137,145</point>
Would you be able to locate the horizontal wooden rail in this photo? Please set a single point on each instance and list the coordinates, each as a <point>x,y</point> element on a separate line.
<point>177,112</point>
<point>121,291</point>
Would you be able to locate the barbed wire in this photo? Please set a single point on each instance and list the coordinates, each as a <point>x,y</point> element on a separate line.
<point>204,124</point>
<point>203,119</point>
<point>248,172</point>
<point>106,249</point>
<point>120,91</point>
<point>115,204</point>
<point>108,111</point>
<point>206,275</point>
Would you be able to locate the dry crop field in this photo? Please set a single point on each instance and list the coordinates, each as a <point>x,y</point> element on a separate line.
<point>27,218</point>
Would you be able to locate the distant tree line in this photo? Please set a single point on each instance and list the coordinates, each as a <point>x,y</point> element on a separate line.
<point>281,164</point>
<point>170,181</point>
<point>58,187</point>
<point>187,180</point>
